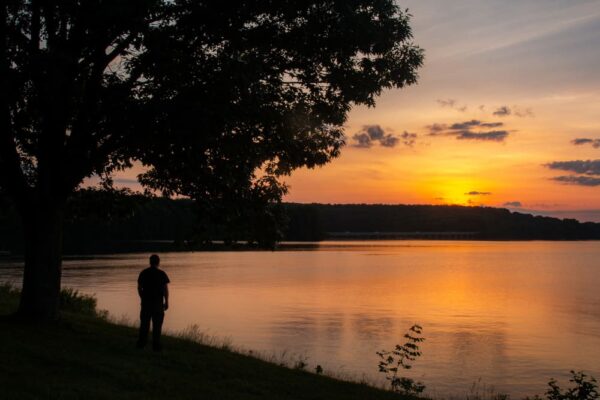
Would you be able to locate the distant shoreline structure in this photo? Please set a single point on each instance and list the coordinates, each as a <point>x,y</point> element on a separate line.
<point>402,235</point>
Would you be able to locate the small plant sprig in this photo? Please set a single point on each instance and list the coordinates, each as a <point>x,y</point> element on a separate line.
<point>401,358</point>
<point>584,388</point>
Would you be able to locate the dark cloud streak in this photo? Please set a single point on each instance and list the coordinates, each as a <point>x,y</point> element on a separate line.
<point>470,130</point>
<point>581,141</point>
<point>476,123</point>
<point>585,167</point>
<point>577,180</point>
<point>586,172</point>
<point>494,136</point>
<point>505,111</point>
<point>371,134</point>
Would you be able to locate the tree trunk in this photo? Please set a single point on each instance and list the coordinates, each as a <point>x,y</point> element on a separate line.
<point>43,259</point>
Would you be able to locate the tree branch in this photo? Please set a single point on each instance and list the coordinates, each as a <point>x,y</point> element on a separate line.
<point>50,22</point>
<point>118,49</point>
<point>35,26</point>
<point>11,175</point>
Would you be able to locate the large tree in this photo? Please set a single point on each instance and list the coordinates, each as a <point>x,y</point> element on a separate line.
<point>217,99</point>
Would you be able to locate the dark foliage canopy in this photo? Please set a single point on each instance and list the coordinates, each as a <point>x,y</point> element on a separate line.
<point>217,99</point>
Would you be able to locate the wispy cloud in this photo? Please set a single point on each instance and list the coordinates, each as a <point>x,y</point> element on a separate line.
<point>502,112</point>
<point>523,112</point>
<point>408,138</point>
<point>516,204</point>
<point>452,103</point>
<point>478,193</point>
<point>517,111</point>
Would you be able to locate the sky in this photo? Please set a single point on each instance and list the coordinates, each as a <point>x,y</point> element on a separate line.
<point>506,113</point>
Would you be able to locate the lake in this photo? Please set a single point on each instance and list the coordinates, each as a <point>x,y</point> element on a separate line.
<point>508,315</point>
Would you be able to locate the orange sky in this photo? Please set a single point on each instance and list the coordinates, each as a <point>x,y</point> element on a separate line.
<point>539,59</point>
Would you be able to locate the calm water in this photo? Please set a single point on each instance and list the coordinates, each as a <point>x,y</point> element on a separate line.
<point>508,314</point>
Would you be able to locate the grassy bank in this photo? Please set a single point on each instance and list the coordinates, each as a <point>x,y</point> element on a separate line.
<point>85,357</point>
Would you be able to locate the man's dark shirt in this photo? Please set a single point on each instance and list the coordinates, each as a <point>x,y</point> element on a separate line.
<point>152,283</point>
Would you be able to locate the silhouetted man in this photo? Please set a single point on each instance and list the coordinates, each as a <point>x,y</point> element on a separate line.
<point>154,292</point>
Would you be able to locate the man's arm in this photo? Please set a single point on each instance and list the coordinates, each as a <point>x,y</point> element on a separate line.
<point>140,287</point>
<point>166,296</point>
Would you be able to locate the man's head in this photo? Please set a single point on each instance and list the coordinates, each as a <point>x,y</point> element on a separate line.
<point>154,261</point>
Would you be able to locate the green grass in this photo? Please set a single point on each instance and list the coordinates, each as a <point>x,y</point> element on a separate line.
<point>85,357</point>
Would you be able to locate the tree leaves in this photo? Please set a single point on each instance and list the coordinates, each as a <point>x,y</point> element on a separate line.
<point>216,99</point>
<point>391,362</point>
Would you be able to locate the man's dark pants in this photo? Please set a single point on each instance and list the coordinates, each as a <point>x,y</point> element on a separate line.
<point>156,315</point>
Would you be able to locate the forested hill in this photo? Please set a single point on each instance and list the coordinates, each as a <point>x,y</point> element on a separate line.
<point>99,223</point>
<point>429,222</point>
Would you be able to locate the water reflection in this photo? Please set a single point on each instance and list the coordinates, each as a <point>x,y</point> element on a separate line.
<point>512,314</point>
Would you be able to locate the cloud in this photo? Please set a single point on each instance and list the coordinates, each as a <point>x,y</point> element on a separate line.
<point>435,129</point>
<point>452,103</point>
<point>517,204</point>
<point>475,123</point>
<point>586,172</point>
<point>446,102</point>
<point>499,111</point>
<point>495,136</point>
<point>476,193</point>
<point>581,141</point>
<point>375,132</point>
<point>580,180</point>
<point>126,181</point>
<point>523,112</point>
<point>371,134</point>
<point>408,139</point>
<point>470,130</point>
<point>389,141</point>
<point>517,111</point>
<point>502,112</point>
<point>585,167</point>
<point>362,140</point>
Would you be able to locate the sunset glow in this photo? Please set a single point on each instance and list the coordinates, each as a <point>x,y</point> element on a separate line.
<point>528,67</point>
<point>523,77</point>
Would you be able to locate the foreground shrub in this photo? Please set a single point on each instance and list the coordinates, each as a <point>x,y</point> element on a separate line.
<point>72,300</point>
<point>584,388</point>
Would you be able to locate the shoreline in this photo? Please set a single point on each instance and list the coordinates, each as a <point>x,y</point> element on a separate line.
<point>83,355</point>
<point>165,246</point>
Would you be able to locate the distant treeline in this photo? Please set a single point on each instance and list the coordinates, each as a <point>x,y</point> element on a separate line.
<point>319,221</point>
<point>98,222</point>
<point>105,223</point>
